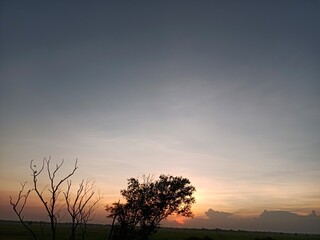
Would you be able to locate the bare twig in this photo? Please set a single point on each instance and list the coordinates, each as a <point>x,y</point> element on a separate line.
<point>54,189</point>
<point>80,208</point>
<point>18,207</point>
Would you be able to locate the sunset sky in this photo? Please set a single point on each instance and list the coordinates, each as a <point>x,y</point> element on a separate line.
<point>225,93</point>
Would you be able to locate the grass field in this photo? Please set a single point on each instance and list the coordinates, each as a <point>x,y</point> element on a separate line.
<point>11,230</point>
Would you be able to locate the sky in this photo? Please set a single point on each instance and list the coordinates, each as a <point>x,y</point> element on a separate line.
<point>225,93</point>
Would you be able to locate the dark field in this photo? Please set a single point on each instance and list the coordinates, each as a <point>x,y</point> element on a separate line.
<point>11,230</point>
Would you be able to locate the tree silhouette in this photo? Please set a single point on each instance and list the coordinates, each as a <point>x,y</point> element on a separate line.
<point>18,207</point>
<point>80,207</point>
<point>51,204</point>
<point>148,203</point>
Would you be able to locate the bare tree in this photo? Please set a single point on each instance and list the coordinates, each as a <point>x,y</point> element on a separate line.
<point>82,206</point>
<point>86,214</point>
<point>18,207</point>
<point>51,205</point>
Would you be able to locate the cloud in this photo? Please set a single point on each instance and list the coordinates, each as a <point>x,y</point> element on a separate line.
<point>218,215</point>
<point>275,221</point>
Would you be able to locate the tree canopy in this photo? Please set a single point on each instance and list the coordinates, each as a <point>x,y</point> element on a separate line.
<point>148,203</point>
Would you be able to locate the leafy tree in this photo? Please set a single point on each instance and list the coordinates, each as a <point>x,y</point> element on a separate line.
<point>148,203</point>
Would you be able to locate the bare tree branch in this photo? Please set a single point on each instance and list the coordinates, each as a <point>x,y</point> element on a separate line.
<point>52,209</point>
<point>18,207</point>
<point>80,208</point>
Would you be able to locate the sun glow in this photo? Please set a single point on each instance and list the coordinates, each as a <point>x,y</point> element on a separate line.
<point>180,219</point>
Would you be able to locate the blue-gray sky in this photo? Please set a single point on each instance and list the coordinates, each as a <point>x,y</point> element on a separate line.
<point>223,92</point>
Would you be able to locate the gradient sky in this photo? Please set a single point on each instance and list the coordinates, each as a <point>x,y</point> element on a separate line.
<point>225,93</point>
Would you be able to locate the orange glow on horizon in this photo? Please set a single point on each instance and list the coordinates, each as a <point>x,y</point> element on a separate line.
<point>178,219</point>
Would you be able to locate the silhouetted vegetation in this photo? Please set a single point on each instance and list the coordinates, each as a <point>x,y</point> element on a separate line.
<point>80,207</point>
<point>15,231</point>
<point>19,205</point>
<point>51,205</point>
<point>147,204</point>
